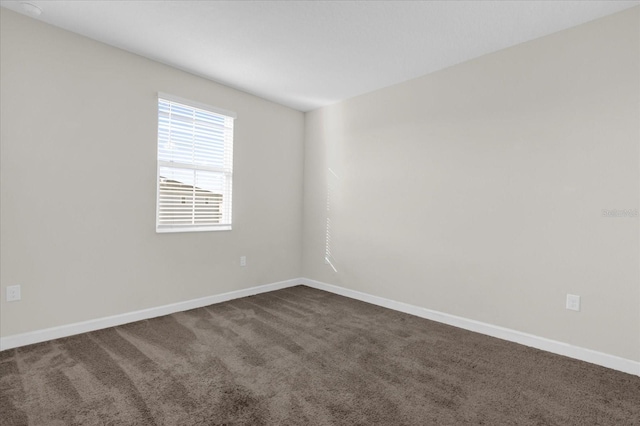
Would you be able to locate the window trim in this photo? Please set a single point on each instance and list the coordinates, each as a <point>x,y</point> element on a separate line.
<point>161,163</point>
<point>195,104</point>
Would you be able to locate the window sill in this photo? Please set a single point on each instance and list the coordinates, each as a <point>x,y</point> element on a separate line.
<point>193,229</point>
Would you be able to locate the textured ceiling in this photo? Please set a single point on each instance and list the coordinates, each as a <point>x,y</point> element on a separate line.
<point>309,54</point>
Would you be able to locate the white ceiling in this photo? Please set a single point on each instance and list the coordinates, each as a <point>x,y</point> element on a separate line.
<point>313,53</point>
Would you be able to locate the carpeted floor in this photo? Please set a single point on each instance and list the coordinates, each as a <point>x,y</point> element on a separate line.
<point>301,356</point>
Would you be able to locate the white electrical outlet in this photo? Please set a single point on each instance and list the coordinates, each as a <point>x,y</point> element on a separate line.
<point>243,260</point>
<point>13,293</point>
<point>573,302</point>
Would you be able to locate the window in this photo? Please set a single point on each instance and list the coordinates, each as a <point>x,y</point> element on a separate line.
<point>195,166</point>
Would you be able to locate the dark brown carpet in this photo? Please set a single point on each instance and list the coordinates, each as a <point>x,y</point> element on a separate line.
<point>300,356</point>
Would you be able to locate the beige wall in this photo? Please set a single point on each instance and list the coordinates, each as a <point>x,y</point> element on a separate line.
<point>478,190</point>
<point>475,191</point>
<point>78,173</point>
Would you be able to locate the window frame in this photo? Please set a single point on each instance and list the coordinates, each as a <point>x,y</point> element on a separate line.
<point>186,166</point>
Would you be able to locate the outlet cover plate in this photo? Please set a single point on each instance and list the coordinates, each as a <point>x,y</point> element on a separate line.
<point>13,293</point>
<point>573,302</point>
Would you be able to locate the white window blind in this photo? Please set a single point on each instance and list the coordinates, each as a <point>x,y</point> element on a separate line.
<point>195,166</point>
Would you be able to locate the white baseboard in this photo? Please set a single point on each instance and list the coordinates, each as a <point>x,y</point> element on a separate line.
<point>556,347</point>
<point>38,336</point>
<point>560,348</point>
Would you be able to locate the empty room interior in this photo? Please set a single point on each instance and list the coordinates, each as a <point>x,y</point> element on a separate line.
<point>319,213</point>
